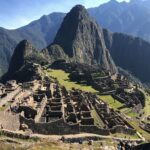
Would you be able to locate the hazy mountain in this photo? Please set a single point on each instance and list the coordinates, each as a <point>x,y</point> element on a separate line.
<point>130,53</point>
<point>132,18</point>
<point>83,43</point>
<point>40,32</point>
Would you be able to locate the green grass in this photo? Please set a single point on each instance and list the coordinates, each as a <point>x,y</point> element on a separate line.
<point>97,120</point>
<point>131,114</point>
<point>135,124</point>
<point>147,105</point>
<point>111,101</point>
<point>64,80</point>
<point>116,104</point>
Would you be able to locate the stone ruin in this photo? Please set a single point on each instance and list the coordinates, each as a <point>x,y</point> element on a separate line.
<point>111,118</point>
<point>52,109</point>
<point>130,99</point>
<point>11,85</point>
<point>103,84</point>
<point>8,91</point>
<point>122,81</point>
<point>2,91</point>
<point>145,124</point>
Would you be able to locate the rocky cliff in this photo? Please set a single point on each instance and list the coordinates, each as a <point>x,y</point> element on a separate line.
<point>82,39</point>
<point>131,53</point>
<point>24,62</point>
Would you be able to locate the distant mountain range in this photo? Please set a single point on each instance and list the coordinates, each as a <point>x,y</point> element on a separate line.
<point>40,32</point>
<point>131,18</point>
<point>83,43</point>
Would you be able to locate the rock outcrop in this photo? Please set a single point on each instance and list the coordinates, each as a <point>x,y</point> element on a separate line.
<point>24,62</point>
<point>82,39</point>
<point>130,53</point>
<point>53,53</point>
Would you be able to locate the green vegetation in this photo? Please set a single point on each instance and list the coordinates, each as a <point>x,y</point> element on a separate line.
<point>97,119</point>
<point>111,101</point>
<point>135,124</point>
<point>147,105</point>
<point>64,80</point>
<point>129,112</point>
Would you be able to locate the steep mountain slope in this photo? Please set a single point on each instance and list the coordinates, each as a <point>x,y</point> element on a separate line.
<point>54,52</point>
<point>130,53</point>
<point>40,33</point>
<point>22,62</point>
<point>83,41</point>
<point>131,18</point>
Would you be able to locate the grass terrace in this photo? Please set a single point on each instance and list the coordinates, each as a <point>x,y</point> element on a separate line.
<point>111,101</point>
<point>97,119</point>
<point>64,80</point>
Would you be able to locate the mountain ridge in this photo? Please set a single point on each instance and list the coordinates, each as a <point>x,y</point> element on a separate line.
<point>8,43</point>
<point>85,40</point>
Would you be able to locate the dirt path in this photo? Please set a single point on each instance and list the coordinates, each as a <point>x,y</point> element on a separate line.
<point>82,135</point>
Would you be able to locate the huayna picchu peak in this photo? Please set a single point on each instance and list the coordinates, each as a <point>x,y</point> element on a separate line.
<point>83,43</point>
<point>82,39</point>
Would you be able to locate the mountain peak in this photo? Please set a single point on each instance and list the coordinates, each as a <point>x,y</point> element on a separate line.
<point>25,43</point>
<point>113,1</point>
<point>79,12</point>
<point>83,41</point>
<point>78,8</point>
<point>22,50</point>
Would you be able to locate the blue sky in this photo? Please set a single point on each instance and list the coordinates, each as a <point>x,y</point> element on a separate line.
<point>17,13</point>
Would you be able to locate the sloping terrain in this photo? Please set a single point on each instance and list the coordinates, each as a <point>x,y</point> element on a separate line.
<point>125,18</point>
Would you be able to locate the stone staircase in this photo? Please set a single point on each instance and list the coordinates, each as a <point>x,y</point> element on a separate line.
<point>9,121</point>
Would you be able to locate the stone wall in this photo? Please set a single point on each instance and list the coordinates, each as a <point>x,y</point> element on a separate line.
<point>56,127</point>
<point>40,109</point>
<point>9,121</point>
<point>12,134</point>
<point>94,129</point>
<point>121,100</point>
<point>59,127</point>
<point>123,129</point>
